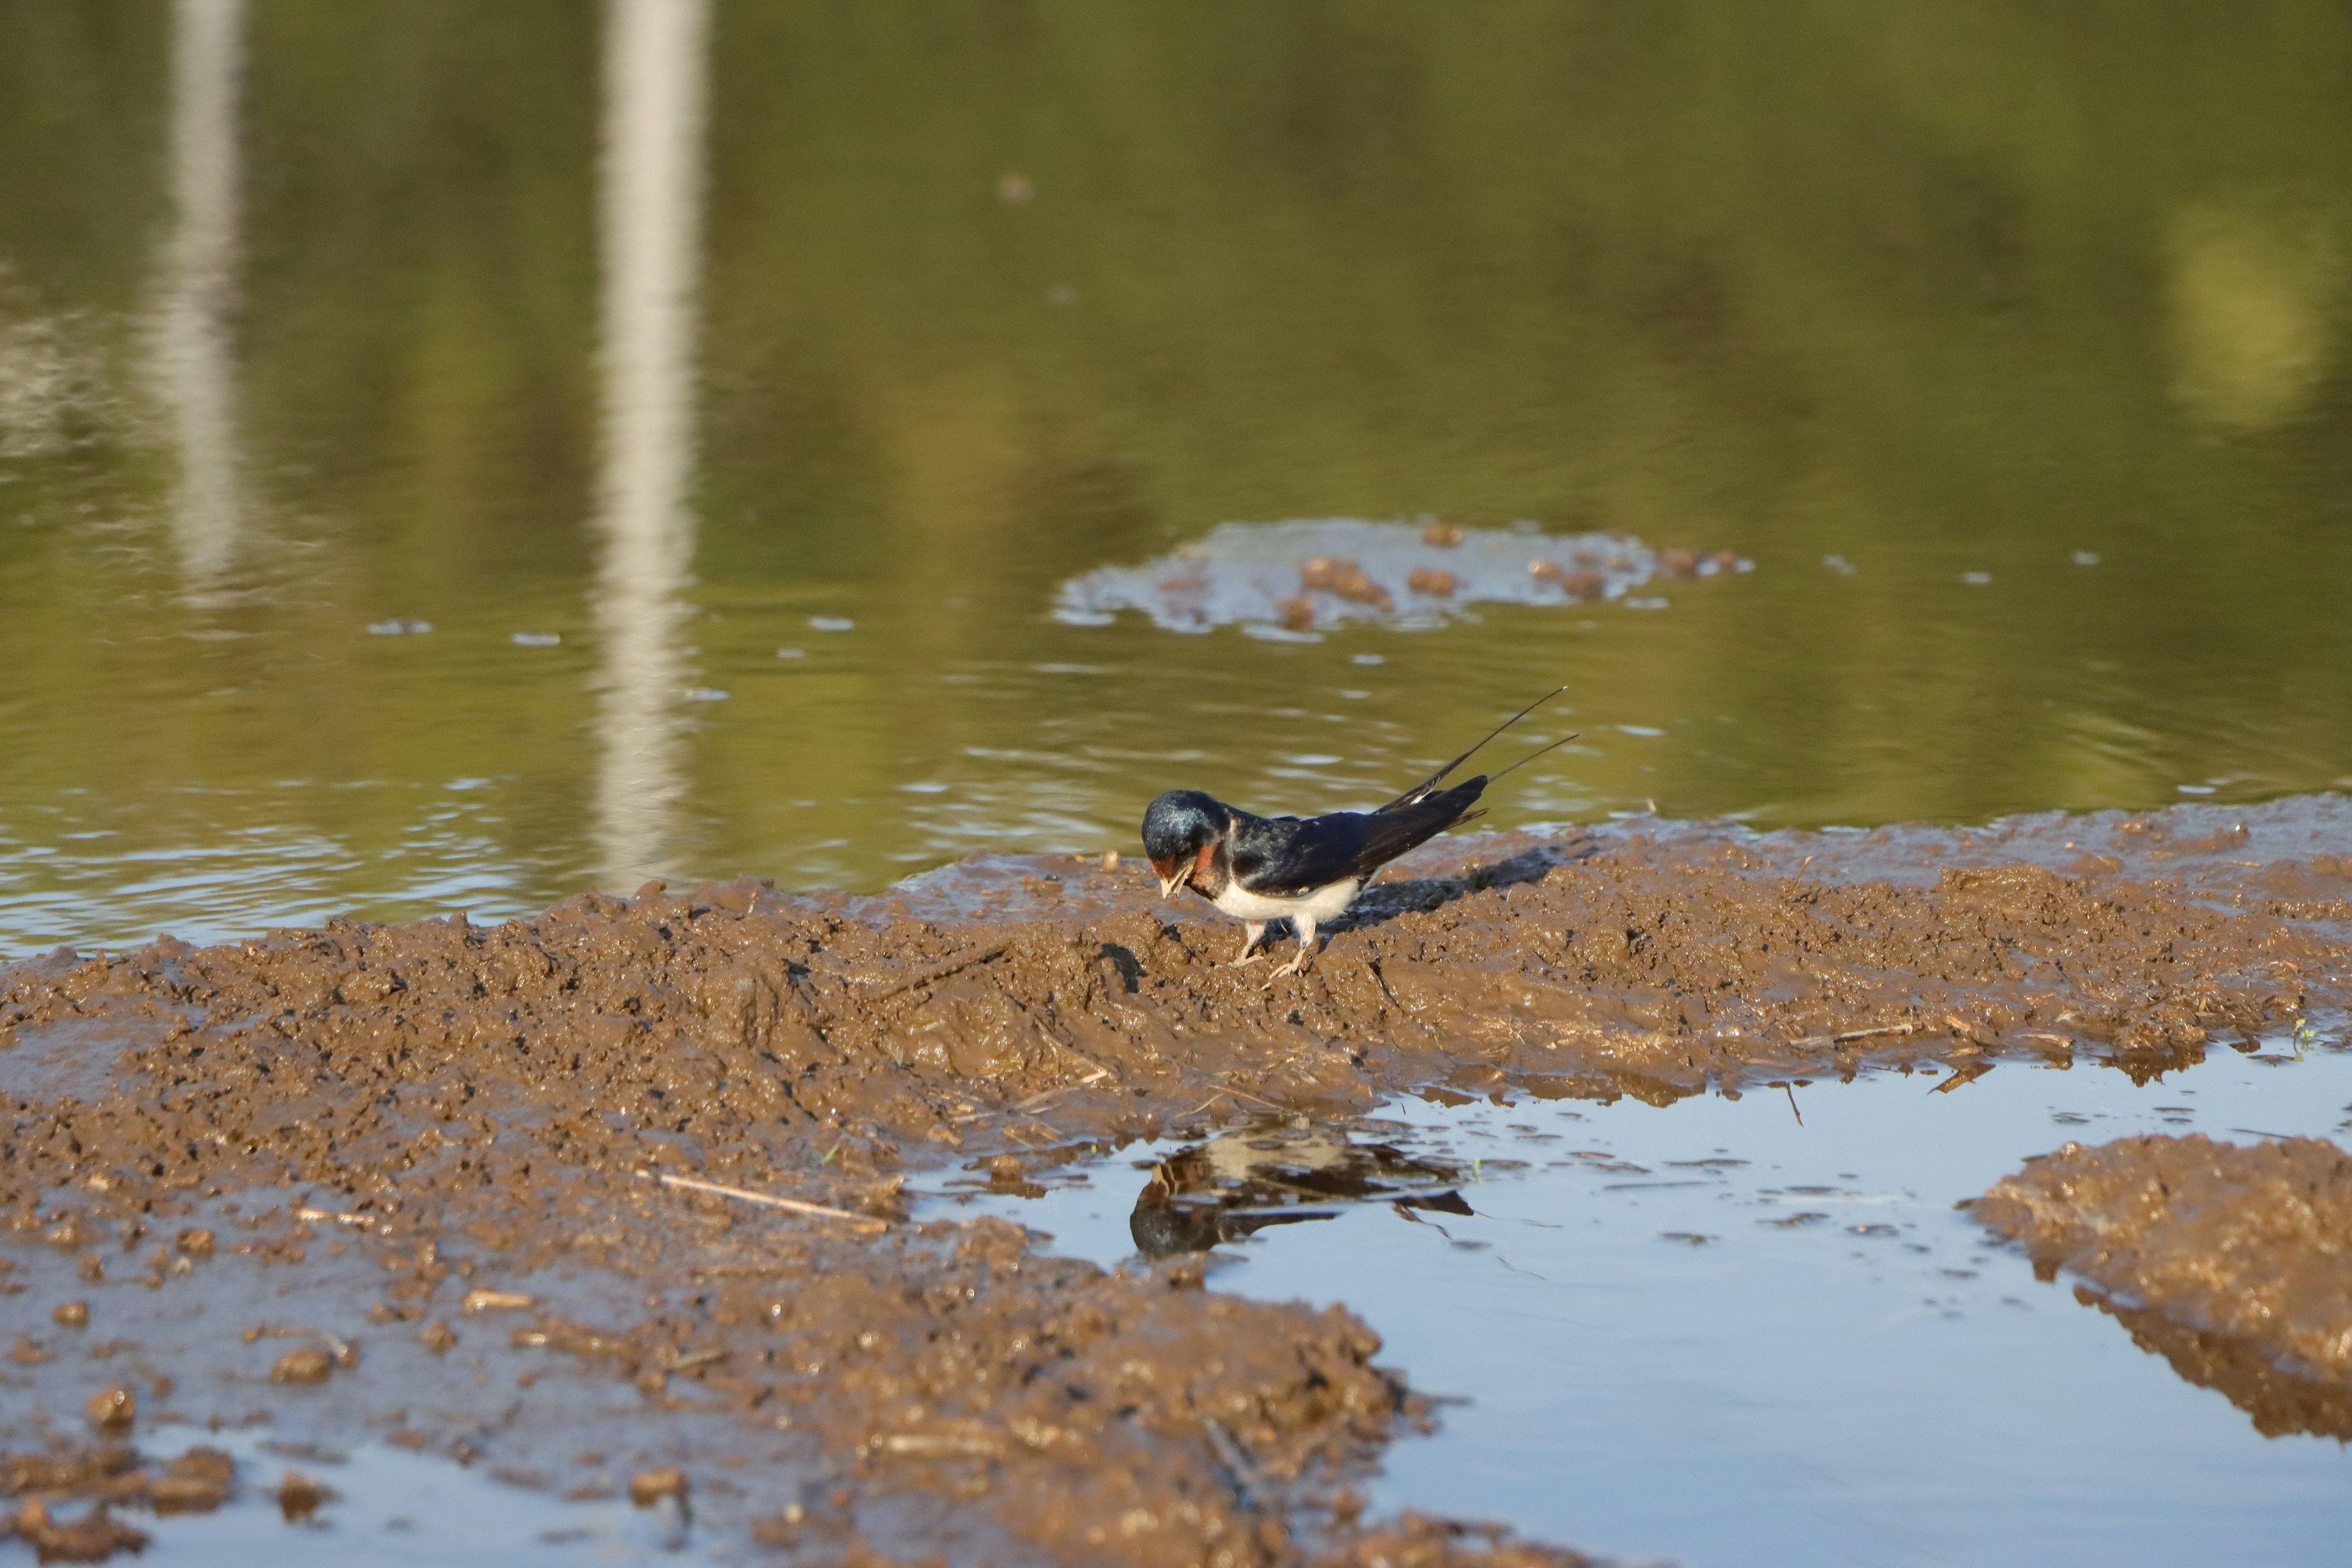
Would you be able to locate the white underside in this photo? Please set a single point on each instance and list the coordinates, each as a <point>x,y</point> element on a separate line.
<point>1322,904</point>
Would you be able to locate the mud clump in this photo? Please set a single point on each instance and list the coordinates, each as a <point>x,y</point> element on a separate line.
<point>107,1475</point>
<point>2235,1264</point>
<point>660,1141</point>
<point>198,1481</point>
<point>308,1364</point>
<point>113,1409</point>
<point>299,1496</point>
<point>94,1537</point>
<point>1417,1540</point>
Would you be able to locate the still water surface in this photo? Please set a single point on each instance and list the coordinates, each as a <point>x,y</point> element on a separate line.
<point>734,389</point>
<point>1714,1334</point>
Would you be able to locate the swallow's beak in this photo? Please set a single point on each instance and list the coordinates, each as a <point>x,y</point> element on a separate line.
<point>1170,880</point>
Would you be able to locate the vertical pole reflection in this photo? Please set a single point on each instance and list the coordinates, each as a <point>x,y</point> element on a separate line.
<point>198,349</point>
<point>649,240</point>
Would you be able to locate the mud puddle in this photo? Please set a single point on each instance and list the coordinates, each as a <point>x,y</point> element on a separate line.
<point>1714,1334</point>
<point>303,1502</point>
<point>621,1190</point>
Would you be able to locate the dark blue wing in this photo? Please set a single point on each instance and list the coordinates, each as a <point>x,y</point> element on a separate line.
<point>1286,855</point>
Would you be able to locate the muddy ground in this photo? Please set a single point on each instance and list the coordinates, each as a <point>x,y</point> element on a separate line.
<point>421,1184</point>
<point>2235,1264</point>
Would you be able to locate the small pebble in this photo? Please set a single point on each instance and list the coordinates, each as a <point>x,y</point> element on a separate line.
<point>1111,860</point>
<point>1430,581</point>
<point>112,1409</point>
<point>1441,535</point>
<point>648,1487</point>
<point>70,1314</point>
<point>197,1243</point>
<point>439,1336</point>
<point>298,1496</point>
<point>308,1364</point>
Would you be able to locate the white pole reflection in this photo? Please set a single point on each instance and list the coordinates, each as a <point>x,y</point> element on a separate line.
<point>198,349</point>
<point>649,241</point>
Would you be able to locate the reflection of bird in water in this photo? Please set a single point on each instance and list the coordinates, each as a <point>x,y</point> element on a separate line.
<point>1248,1178</point>
<point>1162,1228</point>
<point>1304,870</point>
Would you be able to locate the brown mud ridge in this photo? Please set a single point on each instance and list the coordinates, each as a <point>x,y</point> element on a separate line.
<point>2234,1264</point>
<point>430,1185</point>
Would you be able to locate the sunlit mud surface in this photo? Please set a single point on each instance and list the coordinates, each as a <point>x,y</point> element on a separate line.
<point>668,1198</point>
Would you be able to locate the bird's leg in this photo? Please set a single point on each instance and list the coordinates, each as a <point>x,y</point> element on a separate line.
<point>1252,933</point>
<point>1305,926</point>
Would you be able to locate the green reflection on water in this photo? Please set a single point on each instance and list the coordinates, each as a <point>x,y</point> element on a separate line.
<point>990,295</point>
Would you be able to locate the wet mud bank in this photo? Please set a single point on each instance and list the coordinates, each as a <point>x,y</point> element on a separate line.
<point>612,1200</point>
<point>2234,1264</point>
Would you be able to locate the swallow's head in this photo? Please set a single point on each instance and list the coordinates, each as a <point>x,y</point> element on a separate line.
<point>1182,831</point>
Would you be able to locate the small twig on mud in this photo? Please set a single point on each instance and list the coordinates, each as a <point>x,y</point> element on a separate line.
<point>1244,1094</point>
<point>1850,1036</point>
<point>938,971</point>
<point>1101,1072</point>
<point>696,1184</point>
<point>1790,1090</point>
<point>494,1302</point>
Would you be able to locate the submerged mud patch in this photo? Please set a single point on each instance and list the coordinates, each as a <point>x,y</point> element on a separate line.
<point>2233,1263</point>
<point>465,1152</point>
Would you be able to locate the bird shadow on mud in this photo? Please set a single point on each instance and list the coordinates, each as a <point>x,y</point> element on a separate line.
<point>1383,902</point>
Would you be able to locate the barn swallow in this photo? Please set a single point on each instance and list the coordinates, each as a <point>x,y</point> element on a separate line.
<point>1305,870</point>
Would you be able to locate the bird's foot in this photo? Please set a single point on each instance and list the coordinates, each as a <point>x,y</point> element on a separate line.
<point>1296,966</point>
<point>1253,934</point>
<point>1309,945</point>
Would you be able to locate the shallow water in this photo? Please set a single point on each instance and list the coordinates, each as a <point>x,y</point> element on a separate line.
<point>1659,1356</point>
<point>393,1508</point>
<point>787,375</point>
